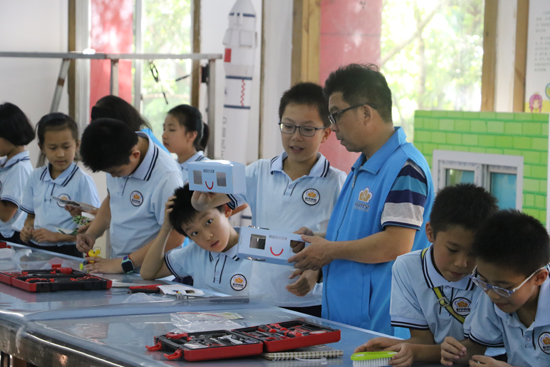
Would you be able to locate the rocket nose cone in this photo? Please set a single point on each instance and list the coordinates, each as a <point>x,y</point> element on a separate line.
<point>243,6</point>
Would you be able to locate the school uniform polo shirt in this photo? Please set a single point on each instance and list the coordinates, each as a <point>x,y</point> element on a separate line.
<point>137,201</point>
<point>525,346</point>
<point>198,156</point>
<point>221,272</point>
<point>71,184</point>
<point>415,305</point>
<point>281,204</point>
<point>14,174</point>
<point>397,174</point>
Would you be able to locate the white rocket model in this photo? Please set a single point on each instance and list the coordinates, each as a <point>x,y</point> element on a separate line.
<point>240,43</point>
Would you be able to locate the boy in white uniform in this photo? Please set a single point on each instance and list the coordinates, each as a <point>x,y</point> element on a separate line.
<point>512,252</point>
<point>210,258</point>
<point>442,271</point>
<point>297,188</point>
<point>141,177</point>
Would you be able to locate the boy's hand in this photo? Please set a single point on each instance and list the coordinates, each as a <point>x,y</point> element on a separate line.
<point>298,246</point>
<point>201,200</point>
<point>404,356</point>
<point>451,351</point>
<point>104,266</point>
<point>43,235</point>
<point>26,234</point>
<point>377,344</point>
<point>305,283</point>
<point>74,211</point>
<point>85,242</point>
<point>168,207</point>
<point>84,228</point>
<point>479,361</point>
<point>313,257</point>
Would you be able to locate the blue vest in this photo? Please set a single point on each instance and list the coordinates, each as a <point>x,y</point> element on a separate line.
<point>355,293</point>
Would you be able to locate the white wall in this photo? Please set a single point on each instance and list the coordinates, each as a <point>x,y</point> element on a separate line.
<point>32,26</point>
<point>505,55</point>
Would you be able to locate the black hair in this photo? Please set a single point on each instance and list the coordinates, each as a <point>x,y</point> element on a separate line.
<point>107,143</point>
<point>15,127</point>
<point>114,107</point>
<point>182,211</point>
<point>464,205</point>
<point>55,121</point>
<point>513,240</point>
<point>191,118</point>
<point>308,94</point>
<point>361,84</point>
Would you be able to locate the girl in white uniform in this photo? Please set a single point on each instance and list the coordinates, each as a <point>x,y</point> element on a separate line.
<point>185,135</point>
<point>61,177</point>
<point>15,169</point>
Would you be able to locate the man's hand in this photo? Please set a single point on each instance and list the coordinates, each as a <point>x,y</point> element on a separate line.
<point>451,351</point>
<point>26,234</point>
<point>298,246</point>
<point>201,201</point>
<point>305,283</point>
<point>377,344</point>
<point>105,266</point>
<point>85,242</point>
<point>43,235</point>
<point>314,256</point>
<point>479,361</point>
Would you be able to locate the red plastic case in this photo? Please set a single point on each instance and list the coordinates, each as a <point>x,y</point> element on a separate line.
<point>56,279</point>
<point>273,337</point>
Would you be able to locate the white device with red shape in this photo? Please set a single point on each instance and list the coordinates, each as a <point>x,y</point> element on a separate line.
<point>267,245</point>
<point>217,176</point>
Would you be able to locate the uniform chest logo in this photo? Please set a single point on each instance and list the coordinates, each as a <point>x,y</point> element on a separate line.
<point>311,197</point>
<point>136,198</point>
<point>64,197</point>
<point>544,342</point>
<point>238,282</point>
<point>362,202</point>
<point>462,306</point>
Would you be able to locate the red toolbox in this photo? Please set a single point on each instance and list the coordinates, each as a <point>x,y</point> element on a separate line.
<point>249,341</point>
<point>54,279</point>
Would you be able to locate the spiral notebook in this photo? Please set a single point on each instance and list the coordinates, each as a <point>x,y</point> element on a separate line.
<point>314,352</point>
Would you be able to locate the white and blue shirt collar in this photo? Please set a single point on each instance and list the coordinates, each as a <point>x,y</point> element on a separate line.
<point>434,279</point>
<point>145,169</point>
<point>63,179</point>
<point>6,163</point>
<point>231,253</point>
<point>198,156</point>
<point>319,169</point>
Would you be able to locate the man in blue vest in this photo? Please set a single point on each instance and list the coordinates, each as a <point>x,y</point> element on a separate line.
<point>381,209</point>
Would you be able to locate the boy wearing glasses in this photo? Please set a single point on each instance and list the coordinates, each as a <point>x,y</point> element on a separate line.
<point>296,188</point>
<point>512,251</point>
<point>431,293</point>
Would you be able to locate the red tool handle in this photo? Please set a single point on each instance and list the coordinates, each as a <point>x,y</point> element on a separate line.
<point>177,354</point>
<point>153,288</point>
<point>155,347</point>
<point>178,336</point>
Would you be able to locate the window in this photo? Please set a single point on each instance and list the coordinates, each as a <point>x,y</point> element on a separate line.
<point>501,175</point>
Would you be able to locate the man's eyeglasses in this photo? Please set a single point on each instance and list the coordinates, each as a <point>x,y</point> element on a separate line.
<point>334,117</point>
<point>499,290</point>
<point>308,131</point>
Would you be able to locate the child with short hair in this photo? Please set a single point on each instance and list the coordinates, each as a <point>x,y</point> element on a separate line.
<point>432,293</point>
<point>512,252</point>
<point>210,258</point>
<point>297,188</point>
<point>61,177</point>
<point>186,135</point>
<point>15,169</point>
<point>141,177</point>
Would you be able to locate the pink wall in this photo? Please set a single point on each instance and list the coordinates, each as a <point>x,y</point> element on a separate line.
<point>112,31</point>
<point>350,33</point>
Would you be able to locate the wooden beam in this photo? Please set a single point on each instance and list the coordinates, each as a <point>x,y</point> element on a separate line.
<point>71,83</point>
<point>520,63</point>
<point>262,81</point>
<point>196,65</point>
<point>488,72</point>
<point>306,36</point>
